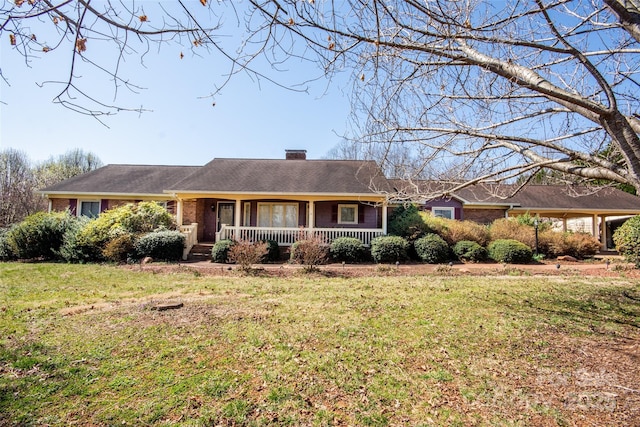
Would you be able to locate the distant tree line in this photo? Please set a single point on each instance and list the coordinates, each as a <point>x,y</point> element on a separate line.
<point>20,179</point>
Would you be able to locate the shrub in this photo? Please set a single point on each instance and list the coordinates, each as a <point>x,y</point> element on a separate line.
<point>311,251</point>
<point>39,235</point>
<point>579,245</point>
<point>510,251</point>
<point>389,249</point>
<point>246,253</point>
<point>582,245</point>
<point>511,229</point>
<point>347,249</point>
<point>432,248</point>
<point>120,249</point>
<point>76,247</point>
<point>166,245</point>
<point>627,240</point>
<point>467,250</point>
<point>454,231</point>
<point>220,251</point>
<point>273,251</point>
<point>407,222</point>
<point>6,253</point>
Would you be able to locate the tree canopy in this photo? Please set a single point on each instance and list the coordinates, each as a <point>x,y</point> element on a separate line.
<point>477,91</point>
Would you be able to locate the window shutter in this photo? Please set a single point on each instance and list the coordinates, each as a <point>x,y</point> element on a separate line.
<point>334,214</point>
<point>360,214</point>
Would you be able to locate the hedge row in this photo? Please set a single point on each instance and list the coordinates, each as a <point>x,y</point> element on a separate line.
<point>121,234</point>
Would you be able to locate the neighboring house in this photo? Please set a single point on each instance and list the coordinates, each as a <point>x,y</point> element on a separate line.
<point>243,198</point>
<point>257,199</point>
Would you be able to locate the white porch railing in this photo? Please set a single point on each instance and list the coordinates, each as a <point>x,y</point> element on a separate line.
<point>288,236</point>
<point>191,238</point>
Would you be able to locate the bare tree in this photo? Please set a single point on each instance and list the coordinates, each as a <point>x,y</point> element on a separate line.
<point>17,185</point>
<point>73,162</point>
<point>486,91</point>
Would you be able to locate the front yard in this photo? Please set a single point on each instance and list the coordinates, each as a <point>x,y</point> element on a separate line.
<point>87,345</point>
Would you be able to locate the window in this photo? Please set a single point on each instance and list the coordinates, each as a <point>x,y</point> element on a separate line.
<point>443,212</point>
<point>278,215</point>
<point>89,208</point>
<point>347,214</point>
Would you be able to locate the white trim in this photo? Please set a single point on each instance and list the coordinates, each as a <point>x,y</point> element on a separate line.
<point>353,206</point>
<point>81,201</point>
<point>444,208</point>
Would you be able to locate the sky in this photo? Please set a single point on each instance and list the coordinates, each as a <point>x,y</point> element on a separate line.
<point>185,126</point>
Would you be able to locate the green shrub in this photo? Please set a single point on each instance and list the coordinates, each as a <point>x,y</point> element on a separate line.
<point>432,249</point>
<point>166,245</point>
<point>273,251</point>
<point>407,222</point>
<point>220,251</point>
<point>76,247</point>
<point>510,251</point>
<point>627,240</point>
<point>386,249</point>
<point>467,250</point>
<point>347,249</point>
<point>6,253</point>
<point>311,251</point>
<point>246,253</point>
<point>120,249</point>
<point>39,235</point>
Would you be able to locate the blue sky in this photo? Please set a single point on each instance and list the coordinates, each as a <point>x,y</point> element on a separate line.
<point>249,119</point>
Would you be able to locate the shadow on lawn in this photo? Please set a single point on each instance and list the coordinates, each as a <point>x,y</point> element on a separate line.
<point>591,310</point>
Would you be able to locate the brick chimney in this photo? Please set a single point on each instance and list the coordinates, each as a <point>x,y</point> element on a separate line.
<point>296,154</point>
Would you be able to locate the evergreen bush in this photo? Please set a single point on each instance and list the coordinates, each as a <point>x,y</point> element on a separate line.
<point>467,250</point>
<point>510,251</point>
<point>385,249</point>
<point>627,240</point>
<point>165,245</point>
<point>220,251</point>
<point>347,249</point>
<point>39,235</point>
<point>406,222</point>
<point>432,249</point>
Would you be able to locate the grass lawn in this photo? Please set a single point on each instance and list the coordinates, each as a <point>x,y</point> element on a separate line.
<point>84,345</point>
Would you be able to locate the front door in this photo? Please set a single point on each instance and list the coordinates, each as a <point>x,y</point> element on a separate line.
<point>226,213</point>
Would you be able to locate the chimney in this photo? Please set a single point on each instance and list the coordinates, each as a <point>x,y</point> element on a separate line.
<point>296,154</point>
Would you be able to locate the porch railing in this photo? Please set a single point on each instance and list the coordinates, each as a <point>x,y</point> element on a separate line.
<point>288,236</point>
<point>191,238</point>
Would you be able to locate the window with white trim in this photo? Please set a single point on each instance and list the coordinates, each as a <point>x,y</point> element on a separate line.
<point>441,212</point>
<point>278,215</point>
<point>89,208</point>
<point>347,214</point>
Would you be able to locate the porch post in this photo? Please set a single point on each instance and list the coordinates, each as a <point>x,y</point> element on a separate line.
<point>236,220</point>
<point>384,217</point>
<point>312,215</point>
<point>594,226</point>
<point>179,210</point>
<point>564,224</point>
<point>603,232</point>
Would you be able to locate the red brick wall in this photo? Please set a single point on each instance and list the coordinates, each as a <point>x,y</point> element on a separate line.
<point>482,216</point>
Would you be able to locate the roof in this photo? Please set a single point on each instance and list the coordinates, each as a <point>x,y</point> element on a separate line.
<point>533,197</point>
<point>284,176</point>
<point>123,179</point>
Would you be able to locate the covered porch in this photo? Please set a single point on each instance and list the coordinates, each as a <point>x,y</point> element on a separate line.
<point>283,218</point>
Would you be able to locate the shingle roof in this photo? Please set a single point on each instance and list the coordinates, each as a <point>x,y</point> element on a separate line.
<point>284,176</point>
<point>124,179</point>
<point>569,197</point>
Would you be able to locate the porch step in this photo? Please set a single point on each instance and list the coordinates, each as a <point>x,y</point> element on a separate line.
<point>200,252</point>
